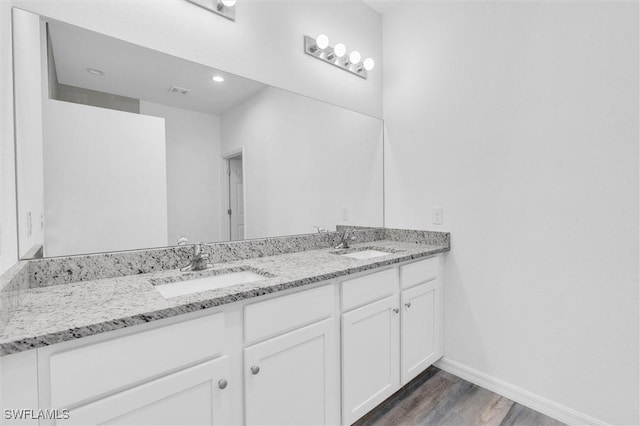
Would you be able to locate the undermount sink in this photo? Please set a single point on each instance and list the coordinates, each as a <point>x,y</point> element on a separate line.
<point>363,253</point>
<point>223,278</point>
<point>366,254</point>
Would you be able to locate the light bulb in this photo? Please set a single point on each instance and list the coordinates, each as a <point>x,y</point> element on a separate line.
<point>368,64</point>
<point>229,3</point>
<point>322,41</point>
<point>340,50</point>
<point>217,78</point>
<point>354,57</point>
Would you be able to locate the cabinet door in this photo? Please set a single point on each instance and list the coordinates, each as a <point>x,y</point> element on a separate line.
<point>189,397</point>
<point>293,379</point>
<point>370,357</point>
<point>421,328</point>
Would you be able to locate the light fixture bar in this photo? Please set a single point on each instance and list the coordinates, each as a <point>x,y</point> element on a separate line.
<point>219,7</point>
<point>327,55</point>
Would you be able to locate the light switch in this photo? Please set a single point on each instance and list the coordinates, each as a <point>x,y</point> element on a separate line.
<point>345,214</point>
<point>437,215</point>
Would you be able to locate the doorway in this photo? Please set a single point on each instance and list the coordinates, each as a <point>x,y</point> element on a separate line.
<point>235,196</point>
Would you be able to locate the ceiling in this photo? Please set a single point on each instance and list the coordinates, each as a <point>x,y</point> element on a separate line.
<point>140,73</point>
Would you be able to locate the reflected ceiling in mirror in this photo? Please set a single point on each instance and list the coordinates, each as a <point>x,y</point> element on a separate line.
<point>134,72</point>
<point>140,148</point>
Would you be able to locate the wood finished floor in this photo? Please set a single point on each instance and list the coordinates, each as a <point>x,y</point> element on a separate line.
<point>439,398</point>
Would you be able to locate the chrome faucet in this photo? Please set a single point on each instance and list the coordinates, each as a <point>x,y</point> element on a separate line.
<point>345,240</point>
<point>200,260</point>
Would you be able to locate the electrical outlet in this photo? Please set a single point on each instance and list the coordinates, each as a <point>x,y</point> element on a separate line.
<point>437,215</point>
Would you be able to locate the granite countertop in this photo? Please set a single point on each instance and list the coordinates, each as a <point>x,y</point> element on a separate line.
<point>63,312</point>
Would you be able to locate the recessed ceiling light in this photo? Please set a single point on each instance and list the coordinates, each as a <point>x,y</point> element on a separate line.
<point>217,78</point>
<point>95,71</point>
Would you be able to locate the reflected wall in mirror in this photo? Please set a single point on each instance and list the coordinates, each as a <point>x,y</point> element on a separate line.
<point>137,148</point>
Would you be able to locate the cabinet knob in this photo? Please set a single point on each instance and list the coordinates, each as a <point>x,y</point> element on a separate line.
<point>396,310</point>
<point>408,304</point>
<point>222,383</point>
<point>255,369</point>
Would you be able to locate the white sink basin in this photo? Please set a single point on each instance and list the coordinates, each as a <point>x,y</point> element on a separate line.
<point>366,254</point>
<point>214,282</point>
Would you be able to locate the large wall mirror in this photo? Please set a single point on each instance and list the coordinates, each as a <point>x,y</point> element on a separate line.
<point>121,147</point>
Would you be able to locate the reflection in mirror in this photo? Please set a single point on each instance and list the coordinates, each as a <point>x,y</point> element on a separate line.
<point>140,148</point>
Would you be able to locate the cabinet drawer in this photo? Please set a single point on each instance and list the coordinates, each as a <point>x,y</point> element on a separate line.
<point>93,370</point>
<point>280,314</point>
<point>419,272</point>
<point>369,288</point>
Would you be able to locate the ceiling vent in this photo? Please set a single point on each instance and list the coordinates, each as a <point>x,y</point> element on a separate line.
<point>180,90</point>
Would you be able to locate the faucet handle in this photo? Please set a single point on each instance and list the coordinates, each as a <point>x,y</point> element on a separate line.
<point>197,249</point>
<point>183,241</point>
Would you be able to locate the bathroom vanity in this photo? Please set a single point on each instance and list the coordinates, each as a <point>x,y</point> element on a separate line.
<point>280,330</point>
<point>322,339</point>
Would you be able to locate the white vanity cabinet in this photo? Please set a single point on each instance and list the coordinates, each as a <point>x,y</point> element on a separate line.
<point>193,396</point>
<point>370,357</point>
<point>286,378</point>
<point>370,342</point>
<point>173,374</point>
<point>324,354</point>
<point>422,316</point>
<point>421,328</point>
<point>293,378</point>
<point>392,335</point>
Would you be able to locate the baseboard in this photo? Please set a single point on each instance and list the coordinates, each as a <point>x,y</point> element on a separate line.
<point>521,396</point>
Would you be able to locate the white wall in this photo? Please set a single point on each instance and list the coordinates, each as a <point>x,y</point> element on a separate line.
<point>28,110</point>
<point>105,180</point>
<point>304,161</point>
<point>194,172</point>
<point>265,43</point>
<point>521,120</point>
<point>8,225</point>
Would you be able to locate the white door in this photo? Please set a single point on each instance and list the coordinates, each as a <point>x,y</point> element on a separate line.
<point>370,357</point>
<point>236,199</point>
<point>421,328</point>
<point>293,379</point>
<point>194,396</point>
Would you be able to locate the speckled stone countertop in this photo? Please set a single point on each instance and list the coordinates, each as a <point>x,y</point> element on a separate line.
<point>63,312</point>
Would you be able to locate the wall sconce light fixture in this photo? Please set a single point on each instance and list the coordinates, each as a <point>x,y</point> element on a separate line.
<point>320,48</point>
<point>226,8</point>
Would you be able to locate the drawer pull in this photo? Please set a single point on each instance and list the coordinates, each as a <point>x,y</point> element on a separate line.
<point>255,369</point>
<point>222,383</point>
<point>408,304</point>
